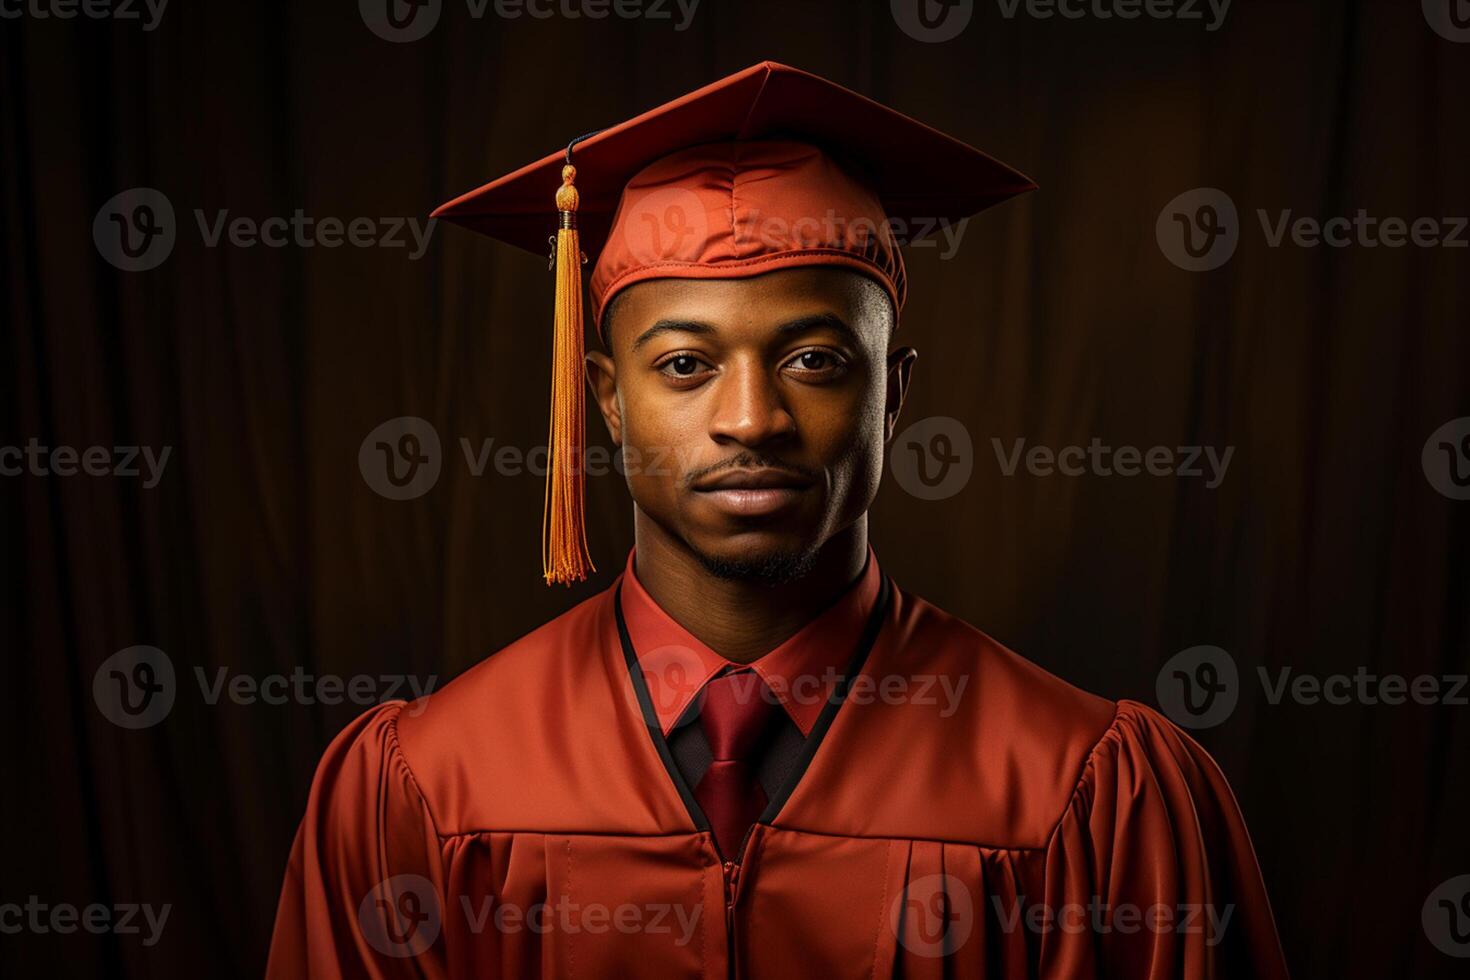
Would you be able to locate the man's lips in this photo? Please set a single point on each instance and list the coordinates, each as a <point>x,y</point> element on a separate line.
<point>753,493</point>
<point>761,479</point>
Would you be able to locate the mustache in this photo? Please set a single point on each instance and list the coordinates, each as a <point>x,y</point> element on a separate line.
<point>750,461</point>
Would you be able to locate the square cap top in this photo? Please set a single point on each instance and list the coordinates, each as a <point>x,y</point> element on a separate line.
<point>728,210</point>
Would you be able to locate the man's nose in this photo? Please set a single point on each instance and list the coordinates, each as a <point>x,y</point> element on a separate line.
<point>748,406</point>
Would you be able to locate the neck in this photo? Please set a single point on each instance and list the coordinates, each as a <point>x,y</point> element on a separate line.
<point>741,620</point>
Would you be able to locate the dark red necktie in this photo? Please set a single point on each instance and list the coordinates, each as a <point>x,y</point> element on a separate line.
<point>735,711</point>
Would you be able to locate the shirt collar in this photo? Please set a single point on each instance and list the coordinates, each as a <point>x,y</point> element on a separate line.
<point>801,671</point>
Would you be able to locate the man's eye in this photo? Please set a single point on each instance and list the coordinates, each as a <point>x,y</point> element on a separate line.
<point>816,360</point>
<point>681,365</point>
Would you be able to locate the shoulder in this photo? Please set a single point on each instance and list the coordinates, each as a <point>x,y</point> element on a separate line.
<point>1008,699</point>
<point>1068,740</point>
<point>507,700</point>
<point>492,694</point>
<point>528,737</point>
<point>1023,748</point>
<point>1144,759</point>
<point>458,747</point>
<point>993,746</point>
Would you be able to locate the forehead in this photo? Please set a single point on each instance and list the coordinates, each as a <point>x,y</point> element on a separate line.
<point>752,308</point>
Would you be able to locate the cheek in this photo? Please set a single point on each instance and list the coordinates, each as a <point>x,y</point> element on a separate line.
<point>655,434</point>
<point>651,422</point>
<point>858,471</point>
<point>847,440</point>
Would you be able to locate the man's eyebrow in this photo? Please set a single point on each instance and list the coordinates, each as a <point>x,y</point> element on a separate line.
<point>800,325</point>
<point>817,321</point>
<point>672,326</point>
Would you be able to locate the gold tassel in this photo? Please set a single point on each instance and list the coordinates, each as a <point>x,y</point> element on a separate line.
<point>564,555</point>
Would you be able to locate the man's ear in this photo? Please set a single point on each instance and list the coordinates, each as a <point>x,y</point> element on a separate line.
<point>602,378</point>
<point>900,367</point>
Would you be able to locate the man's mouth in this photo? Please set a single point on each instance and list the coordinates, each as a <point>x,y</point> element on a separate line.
<point>753,492</point>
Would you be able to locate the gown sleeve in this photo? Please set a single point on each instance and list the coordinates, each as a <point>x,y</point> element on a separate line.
<point>364,885</point>
<point>1150,874</point>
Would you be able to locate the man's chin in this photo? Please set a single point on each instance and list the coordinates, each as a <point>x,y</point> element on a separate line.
<point>760,564</point>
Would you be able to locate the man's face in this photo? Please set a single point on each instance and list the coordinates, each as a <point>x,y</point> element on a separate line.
<point>753,412</point>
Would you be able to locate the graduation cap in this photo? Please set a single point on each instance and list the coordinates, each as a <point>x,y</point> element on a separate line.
<point>769,168</point>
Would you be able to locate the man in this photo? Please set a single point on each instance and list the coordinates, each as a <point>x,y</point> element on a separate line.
<point>754,755</point>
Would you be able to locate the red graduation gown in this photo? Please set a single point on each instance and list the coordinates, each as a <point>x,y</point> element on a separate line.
<point>527,820</point>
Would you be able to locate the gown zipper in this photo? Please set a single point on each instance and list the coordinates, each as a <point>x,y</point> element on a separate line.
<point>731,870</point>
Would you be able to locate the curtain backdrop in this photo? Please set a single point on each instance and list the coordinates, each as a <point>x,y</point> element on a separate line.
<point>262,546</point>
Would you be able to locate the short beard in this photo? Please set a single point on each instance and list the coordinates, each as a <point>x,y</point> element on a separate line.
<point>771,570</point>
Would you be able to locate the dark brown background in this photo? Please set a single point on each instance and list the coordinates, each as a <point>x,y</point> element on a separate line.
<point>263,548</point>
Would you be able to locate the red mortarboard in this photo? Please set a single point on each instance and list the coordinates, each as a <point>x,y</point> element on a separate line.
<point>769,168</point>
